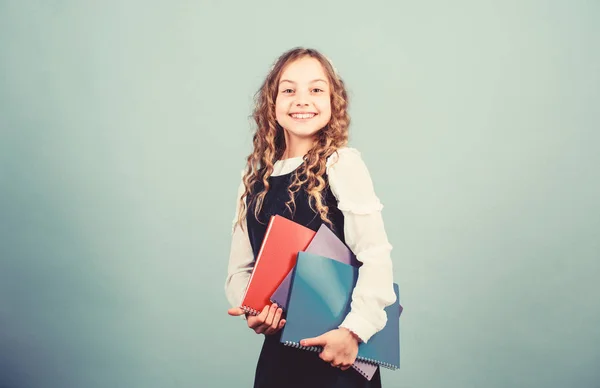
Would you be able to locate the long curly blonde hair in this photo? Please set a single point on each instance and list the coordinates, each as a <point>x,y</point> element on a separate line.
<point>269,142</point>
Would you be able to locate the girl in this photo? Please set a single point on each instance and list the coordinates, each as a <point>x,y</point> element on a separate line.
<point>301,168</point>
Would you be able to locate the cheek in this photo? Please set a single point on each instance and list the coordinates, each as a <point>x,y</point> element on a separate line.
<point>280,110</point>
<point>325,109</point>
<point>325,105</point>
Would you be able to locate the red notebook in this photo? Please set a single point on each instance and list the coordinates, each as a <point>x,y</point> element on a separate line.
<point>276,258</point>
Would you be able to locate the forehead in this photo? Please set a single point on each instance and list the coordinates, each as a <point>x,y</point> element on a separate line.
<point>304,69</point>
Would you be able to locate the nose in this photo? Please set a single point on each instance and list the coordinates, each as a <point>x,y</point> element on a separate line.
<point>301,99</point>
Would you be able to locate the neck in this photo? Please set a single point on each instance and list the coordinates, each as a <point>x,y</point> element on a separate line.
<point>296,146</point>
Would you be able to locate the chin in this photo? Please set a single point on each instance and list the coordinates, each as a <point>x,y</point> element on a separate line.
<point>303,132</point>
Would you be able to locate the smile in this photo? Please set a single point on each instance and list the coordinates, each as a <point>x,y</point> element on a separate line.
<point>303,116</point>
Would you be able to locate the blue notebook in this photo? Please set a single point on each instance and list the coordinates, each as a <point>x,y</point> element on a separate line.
<point>319,300</point>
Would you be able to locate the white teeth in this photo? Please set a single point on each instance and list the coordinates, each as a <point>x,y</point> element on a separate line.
<point>303,115</point>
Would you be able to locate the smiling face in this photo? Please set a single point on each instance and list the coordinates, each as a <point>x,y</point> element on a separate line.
<point>303,103</point>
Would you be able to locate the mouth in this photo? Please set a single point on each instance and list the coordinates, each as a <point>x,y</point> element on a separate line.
<point>302,116</point>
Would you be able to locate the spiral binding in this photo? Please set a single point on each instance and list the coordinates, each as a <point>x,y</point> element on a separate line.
<point>249,310</point>
<point>371,361</point>
<point>357,368</point>
<point>319,349</point>
<point>298,346</point>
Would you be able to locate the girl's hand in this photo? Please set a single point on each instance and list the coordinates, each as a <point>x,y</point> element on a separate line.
<point>340,347</point>
<point>267,322</point>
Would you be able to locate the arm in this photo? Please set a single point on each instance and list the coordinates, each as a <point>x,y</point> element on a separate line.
<point>239,269</point>
<point>365,234</point>
<point>241,260</point>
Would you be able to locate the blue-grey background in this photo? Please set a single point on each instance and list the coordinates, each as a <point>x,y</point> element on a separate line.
<point>124,126</point>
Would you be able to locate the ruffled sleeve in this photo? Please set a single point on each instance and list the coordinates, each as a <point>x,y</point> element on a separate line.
<point>365,235</point>
<point>241,258</point>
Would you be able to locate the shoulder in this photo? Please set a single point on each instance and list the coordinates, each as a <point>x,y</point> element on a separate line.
<point>347,162</point>
<point>346,157</point>
<point>351,182</point>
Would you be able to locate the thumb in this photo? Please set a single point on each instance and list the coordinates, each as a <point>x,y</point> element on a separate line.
<point>315,341</point>
<point>235,311</point>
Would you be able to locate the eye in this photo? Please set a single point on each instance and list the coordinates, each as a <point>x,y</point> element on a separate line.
<point>318,90</point>
<point>286,91</point>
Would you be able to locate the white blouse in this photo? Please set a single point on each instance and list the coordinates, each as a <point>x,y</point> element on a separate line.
<point>364,232</point>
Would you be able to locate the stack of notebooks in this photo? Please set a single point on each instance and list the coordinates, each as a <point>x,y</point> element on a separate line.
<point>311,276</point>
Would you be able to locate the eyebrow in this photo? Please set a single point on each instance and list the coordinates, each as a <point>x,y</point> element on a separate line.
<point>292,82</point>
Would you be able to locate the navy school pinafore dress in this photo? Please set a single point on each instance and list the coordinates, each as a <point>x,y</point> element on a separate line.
<point>280,366</point>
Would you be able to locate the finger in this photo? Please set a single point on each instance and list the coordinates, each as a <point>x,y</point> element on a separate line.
<point>346,364</point>
<point>258,320</point>
<point>315,341</point>
<point>271,315</point>
<point>263,318</point>
<point>279,327</point>
<point>235,311</point>
<point>276,319</point>
<point>336,362</point>
<point>326,356</point>
<point>269,319</point>
<point>264,313</point>
<point>253,321</point>
<point>276,325</point>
